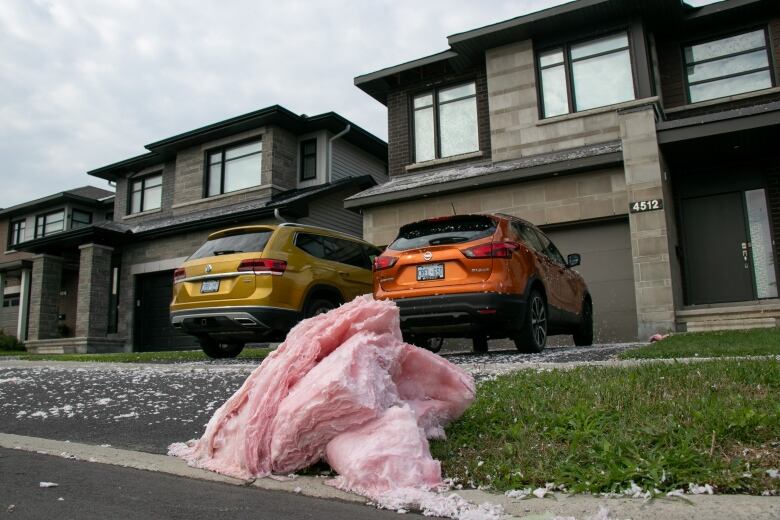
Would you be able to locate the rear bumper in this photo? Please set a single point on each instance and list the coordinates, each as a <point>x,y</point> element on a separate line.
<point>236,323</point>
<point>462,315</point>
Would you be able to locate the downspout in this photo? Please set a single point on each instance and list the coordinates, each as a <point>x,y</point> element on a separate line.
<point>330,148</point>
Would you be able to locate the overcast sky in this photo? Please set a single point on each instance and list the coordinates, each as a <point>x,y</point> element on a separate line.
<point>85,83</point>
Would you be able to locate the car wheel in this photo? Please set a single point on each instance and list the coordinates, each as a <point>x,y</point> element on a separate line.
<point>479,344</point>
<point>532,338</point>
<point>318,306</point>
<point>583,337</point>
<point>216,350</point>
<point>432,344</point>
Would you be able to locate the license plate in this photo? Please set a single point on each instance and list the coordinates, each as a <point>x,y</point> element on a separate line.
<point>209,286</point>
<point>430,272</point>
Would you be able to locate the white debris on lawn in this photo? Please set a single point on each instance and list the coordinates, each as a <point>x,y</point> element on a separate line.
<point>518,494</point>
<point>695,489</point>
<point>48,484</point>
<point>773,473</point>
<point>680,493</point>
<point>542,491</point>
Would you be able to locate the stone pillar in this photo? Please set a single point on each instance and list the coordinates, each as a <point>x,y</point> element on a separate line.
<point>94,291</point>
<point>24,305</point>
<point>45,297</point>
<point>650,246</point>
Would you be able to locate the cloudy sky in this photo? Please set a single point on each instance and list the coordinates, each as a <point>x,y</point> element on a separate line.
<point>85,83</point>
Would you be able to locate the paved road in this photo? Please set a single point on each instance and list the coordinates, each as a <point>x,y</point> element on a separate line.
<point>93,491</point>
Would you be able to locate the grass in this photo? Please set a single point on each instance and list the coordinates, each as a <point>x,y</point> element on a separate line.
<point>598,429</point>
<point>756,342</point>
<point>134,357</point>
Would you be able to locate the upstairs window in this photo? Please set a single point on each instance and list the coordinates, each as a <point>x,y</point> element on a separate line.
<point>146,193</point>
<point>17,232</point>
<point>49,223</point>
<point>308,159</point>
<point>80,219</point>
<point>234,168</point>
<point>445,122</point>
<point>585,75</point>
<point>728,66</point>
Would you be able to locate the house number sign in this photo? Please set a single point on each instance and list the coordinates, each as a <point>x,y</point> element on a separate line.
<point>641,206</point>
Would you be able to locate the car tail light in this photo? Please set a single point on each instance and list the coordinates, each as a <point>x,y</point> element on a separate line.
<point>491,250</point>
<point>384,262</point>
<point>179,275</point>
<point>263,266</point>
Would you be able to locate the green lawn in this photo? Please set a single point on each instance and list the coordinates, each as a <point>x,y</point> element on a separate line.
<point>135,357</point>
<point>756,342</point>
<point>597,429</point>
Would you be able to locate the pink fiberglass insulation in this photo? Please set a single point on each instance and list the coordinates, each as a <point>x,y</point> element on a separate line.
<point>343,387</point>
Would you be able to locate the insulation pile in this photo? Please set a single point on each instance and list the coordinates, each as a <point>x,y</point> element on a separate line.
<point>346,389</point>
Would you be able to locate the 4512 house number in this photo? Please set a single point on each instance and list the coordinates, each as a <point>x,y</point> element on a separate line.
<point>646,205</point>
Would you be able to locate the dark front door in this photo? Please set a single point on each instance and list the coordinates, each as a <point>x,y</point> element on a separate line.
<point>153,330</point>
<point>716,249</point>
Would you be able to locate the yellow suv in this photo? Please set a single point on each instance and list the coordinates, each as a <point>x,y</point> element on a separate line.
<point>255,283</point>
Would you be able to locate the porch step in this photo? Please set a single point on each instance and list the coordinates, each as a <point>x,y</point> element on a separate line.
<point>749,315</point>
<point>731,324</point>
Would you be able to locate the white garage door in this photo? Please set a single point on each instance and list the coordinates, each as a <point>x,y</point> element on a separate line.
<point>607,267</point>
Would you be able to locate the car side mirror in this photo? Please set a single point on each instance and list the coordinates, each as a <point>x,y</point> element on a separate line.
<point>573,260</point>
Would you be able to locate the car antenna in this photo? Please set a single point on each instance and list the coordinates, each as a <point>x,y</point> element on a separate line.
<point>453,209</point>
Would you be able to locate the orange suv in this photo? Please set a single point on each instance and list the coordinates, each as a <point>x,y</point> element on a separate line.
<point>481,277</point>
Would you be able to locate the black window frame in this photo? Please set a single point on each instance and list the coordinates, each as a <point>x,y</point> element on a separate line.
<point>569,73</point>
<point>312,156</point>
<point>11,300</point>
<point>142,179</point>
<point>83,224</point>
<point>434,91</point>
<point>767,47</point>
<point>222,150</point>
<point>16,235</point>
<point>40,223</point>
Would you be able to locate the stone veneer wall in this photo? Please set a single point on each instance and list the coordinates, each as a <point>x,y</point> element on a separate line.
<point>591,195</point>
<point>94,291</point>
<point>44,297</point>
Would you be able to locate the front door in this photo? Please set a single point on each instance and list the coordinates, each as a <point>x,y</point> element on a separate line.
<point>718,251</point>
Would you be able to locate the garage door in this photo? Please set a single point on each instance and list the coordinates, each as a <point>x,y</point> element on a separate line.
<point>608,269</point>
<point>153,331</point>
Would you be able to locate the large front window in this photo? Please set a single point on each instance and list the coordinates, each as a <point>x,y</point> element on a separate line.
<point>49,224</point>
<point>146,193</point>
<point>234,168</point>
<point>445,122</point>
<point>728,66</point>
<point>17,232</point>
<point>585,75</point>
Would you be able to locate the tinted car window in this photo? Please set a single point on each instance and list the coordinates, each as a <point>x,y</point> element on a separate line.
<point>312,244</point>
<point>436,232</point>
<point>237,243</point>
<point>528,236</point>
<point>334,249</point>
<point>550,250</point>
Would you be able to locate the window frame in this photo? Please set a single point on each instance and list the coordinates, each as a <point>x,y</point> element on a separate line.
<point>41,218</point>
<point>565,47</point>
<point>434,92</point>
<point>722,36</point>
<point>142,179</point>
<point>303,158</point>
<point>73,220</point>
<point>16,236</point>
<point>222,150</point>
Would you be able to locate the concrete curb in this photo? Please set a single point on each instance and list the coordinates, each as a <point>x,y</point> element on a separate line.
<point>715,507</point>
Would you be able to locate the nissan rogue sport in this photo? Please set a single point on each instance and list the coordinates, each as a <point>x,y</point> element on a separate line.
<point>481,277</point>
<point>254,283</point>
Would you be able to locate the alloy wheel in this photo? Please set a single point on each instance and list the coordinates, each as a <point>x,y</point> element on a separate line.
<point>538,321</point>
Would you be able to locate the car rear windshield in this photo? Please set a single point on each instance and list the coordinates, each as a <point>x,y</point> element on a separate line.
<point>452,230</point>
<point>253,241</point>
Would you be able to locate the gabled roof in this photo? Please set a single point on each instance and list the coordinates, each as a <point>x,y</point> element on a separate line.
<point>84,194</point>
<point>165,149</point>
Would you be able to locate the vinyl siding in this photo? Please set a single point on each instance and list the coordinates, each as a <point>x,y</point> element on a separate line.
<point>350,161</point>
<point>329,212</point>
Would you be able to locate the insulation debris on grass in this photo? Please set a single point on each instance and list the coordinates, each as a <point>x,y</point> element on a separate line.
<point>346,389</point>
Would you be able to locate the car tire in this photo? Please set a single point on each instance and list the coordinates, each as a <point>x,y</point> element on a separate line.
<point>532,337</point>
<point>318,306</point>
<point>583,336</point>
<point>432,344</point>
<point>216,350</point>
<point>479,344</point>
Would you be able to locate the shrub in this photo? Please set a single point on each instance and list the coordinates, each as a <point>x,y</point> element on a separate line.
<point>8,342</point>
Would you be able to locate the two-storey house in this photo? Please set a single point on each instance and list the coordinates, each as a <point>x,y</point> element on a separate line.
<point>640,133</point>
<point>43,219</point>
<point>256,168</point>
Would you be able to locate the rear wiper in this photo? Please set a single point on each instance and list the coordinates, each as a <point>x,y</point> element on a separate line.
<point>446,240</point>
<point>226,252</point>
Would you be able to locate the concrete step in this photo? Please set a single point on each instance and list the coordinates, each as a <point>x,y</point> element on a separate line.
<point>701,325</point>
